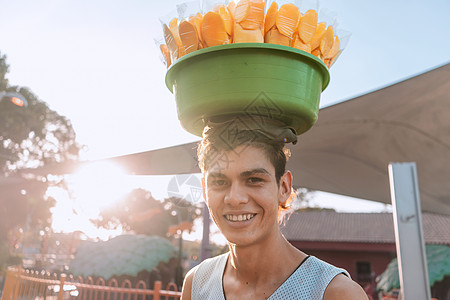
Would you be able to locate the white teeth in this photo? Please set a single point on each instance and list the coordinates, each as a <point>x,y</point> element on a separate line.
<point>236,218</point>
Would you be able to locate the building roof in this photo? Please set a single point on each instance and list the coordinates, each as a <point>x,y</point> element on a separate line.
<point>329,226</point>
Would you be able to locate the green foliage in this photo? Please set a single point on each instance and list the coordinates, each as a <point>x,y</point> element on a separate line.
<point>141,213</point>
<point>3,70</point>
<point>30,136</point>
<point>33,136</point>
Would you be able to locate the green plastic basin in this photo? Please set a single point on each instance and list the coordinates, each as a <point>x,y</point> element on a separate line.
<point>247,79</point>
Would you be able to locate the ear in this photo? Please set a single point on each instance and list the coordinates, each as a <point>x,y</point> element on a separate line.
<point>285,189</point>
<point>204,189</point>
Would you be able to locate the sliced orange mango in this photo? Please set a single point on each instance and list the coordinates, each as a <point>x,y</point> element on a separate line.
<point>298,44</point>
<point>318,34</point>
<point>255,17</point>
<point>242,10</point>
<point>271,15</point>
<point>245,22</point>
<point>188,36</point>
<point>294,37</point>
<point>316,52</point>
<point>298,24</point>
<point>287,19</point>
<point>173,23</point>
<point>166,54</point>
<point>213,30</point>
<point>192,18</point>
<point>242,35</point>
<point>197,21</point>
<point>334,49</point>
<point>273,36</point>
<point>333,60</point>
<point>227,19</point>
<point>327,41</point>
<point>171,43</point>
<point>173,26</point>
<point>307,26</point>
<point>232,9</point>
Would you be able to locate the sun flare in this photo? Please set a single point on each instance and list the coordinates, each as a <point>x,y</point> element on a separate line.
<point>97,185</point>
<point>93,187</point>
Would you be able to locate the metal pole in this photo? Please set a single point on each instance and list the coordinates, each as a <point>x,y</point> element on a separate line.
<point>411,256</point>
<point>179,269</point>
<point>205,250</point>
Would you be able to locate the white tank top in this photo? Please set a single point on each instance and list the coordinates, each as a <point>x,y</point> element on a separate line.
<point>308,281</point>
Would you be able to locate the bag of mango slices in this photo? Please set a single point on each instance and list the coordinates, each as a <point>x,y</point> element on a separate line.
<point>297,24</point>
<point>173,48</point>
<point>181,30</point>
<point>291,24</point>
<point>341,37</point>
<point>294,23</point>
<point>164,56</point>
<point>216,26</point>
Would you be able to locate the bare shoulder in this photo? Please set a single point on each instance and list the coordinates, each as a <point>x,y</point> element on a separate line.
<point>342,287</point>
<point>187,285</point>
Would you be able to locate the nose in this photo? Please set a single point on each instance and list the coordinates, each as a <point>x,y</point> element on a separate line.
<point>236,195</point>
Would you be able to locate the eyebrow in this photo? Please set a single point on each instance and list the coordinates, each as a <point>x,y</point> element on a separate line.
<point>215,175</point>
<point>260,171</point>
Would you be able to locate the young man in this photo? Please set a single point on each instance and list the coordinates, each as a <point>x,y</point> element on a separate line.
<point>246,186</point>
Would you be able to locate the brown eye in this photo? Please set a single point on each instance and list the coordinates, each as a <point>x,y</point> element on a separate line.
<point>218,182</point>
<point>254,180</point>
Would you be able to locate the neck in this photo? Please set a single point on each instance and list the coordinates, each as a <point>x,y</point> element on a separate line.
<point>260,262</point>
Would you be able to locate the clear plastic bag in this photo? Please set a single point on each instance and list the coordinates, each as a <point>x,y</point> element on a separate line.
<point>186,10</point>
<point>171,35</point>
<point>248,19</point>
<point>189,27</point>
<point>164,53</point>
<point>212,5</point>
<point>305,5</point>
<point>281,22</point>
<point>294,23</point>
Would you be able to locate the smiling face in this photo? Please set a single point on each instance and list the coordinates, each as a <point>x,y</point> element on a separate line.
<point>244,196</point>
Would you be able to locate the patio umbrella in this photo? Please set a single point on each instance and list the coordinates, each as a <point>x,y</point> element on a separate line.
<point>122,255</point>
<point>438,259</point>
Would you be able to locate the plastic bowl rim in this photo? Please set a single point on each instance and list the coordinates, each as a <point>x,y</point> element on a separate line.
<point>325,72</point>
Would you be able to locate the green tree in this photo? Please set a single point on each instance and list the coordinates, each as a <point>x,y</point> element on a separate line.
<point>29,137</point>
<point>32,136</point>
<point>139,212</point>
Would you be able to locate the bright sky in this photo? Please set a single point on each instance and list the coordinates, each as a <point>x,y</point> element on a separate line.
<point>96,63</point>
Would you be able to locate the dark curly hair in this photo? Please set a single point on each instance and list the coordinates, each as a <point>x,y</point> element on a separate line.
<point>214,146</point>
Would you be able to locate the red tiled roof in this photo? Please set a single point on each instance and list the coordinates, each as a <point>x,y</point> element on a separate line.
<point>328,226</point>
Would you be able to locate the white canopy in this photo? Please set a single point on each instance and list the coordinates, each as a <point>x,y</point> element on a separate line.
<point>348,151</point>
